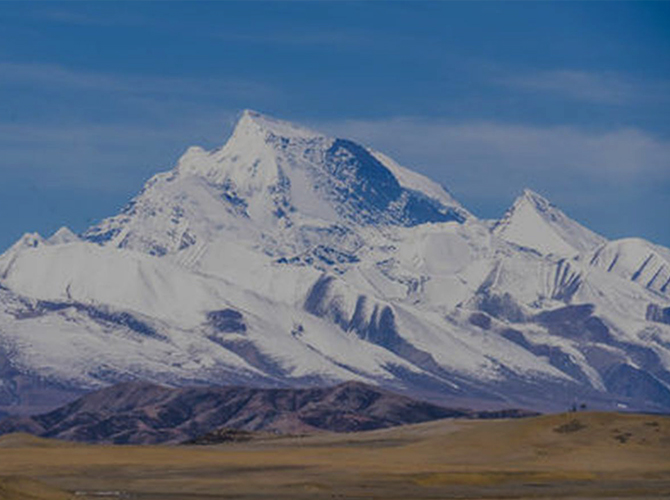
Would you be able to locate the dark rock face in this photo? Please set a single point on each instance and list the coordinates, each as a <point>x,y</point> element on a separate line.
<point>500,306</point>
<point>227,321</point>
<point>628,381</point>
<point>566,281</point>
<point>658,314</point>
<point>378,328</point>
<point>568,314</point>
<point>144,413</point>
<point>29,392</point>
<point>481,320</point>
<point>576,322</point>
<point>557,357</point>
<point>372,193</point>
<point>320,254</point>
<point>254,356</point>
<point>316,304</point>
<point>100,314</point>
<point>374,183</point>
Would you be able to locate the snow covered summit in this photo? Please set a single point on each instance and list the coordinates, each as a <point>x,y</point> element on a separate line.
<point>534,222</point>
<point>290,258</point>
<point>271,178</point>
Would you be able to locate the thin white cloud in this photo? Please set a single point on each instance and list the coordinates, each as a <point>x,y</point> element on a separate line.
<point>605,87</point>
<point>56,76</point>
<point>298,37</point>
<point>102,157</point>
<point>488,161</point>
<point>80,17</point>
<point>483,158</point>
<point>616,154</point>
<point>601,177</point>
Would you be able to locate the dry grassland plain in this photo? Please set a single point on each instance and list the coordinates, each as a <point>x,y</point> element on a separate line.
<point>566,456</point>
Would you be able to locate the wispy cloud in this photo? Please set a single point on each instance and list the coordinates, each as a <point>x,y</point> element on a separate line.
<point>617,153</point>
<point>298,38</point>
<point>597,87</point>
<point>105,131</point>
<point>483,159</point>
<point>80,17</point>
<point>49,76</point>
<point>102,157</point>
<point>487,161</point>
<point>485,164</point>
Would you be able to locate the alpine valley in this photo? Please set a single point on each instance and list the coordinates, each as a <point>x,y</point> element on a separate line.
<point>287,258</point>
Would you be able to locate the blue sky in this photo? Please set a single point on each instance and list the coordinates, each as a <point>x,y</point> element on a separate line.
<point>570,99</point>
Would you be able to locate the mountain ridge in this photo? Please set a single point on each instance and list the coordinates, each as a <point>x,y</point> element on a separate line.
<point>139,412</point>
<point>301,259</point>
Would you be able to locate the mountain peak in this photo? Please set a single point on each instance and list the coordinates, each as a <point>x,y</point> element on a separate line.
<point>254,123</point>
<point>531,195</point>
<point>274,177</point>
<point>534,222</point>
<point>535,199</point>
<point>29,240</point>
<point>26,242</point>
<point>63,235</point>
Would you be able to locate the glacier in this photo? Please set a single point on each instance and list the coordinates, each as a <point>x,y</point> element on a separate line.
<point>290,258</point>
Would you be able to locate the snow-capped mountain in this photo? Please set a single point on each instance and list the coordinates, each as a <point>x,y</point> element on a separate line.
<point>290,187</point>
<point>535,223</point>
<point>289,258</point>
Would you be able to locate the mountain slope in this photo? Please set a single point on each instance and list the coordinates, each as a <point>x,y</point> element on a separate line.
<point>636,260</point>
<point>287,258</point>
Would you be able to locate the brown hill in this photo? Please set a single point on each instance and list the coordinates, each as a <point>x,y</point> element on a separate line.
<point>142,413</point>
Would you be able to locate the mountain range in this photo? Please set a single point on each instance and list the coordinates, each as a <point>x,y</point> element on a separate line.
<point>144,413</point>
<point>290,259</point>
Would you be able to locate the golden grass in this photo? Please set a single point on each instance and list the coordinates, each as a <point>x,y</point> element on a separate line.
<point>21,488</point>
<point>584,455</point>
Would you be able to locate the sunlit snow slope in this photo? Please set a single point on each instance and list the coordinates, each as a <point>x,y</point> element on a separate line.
<point>289,258</point>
